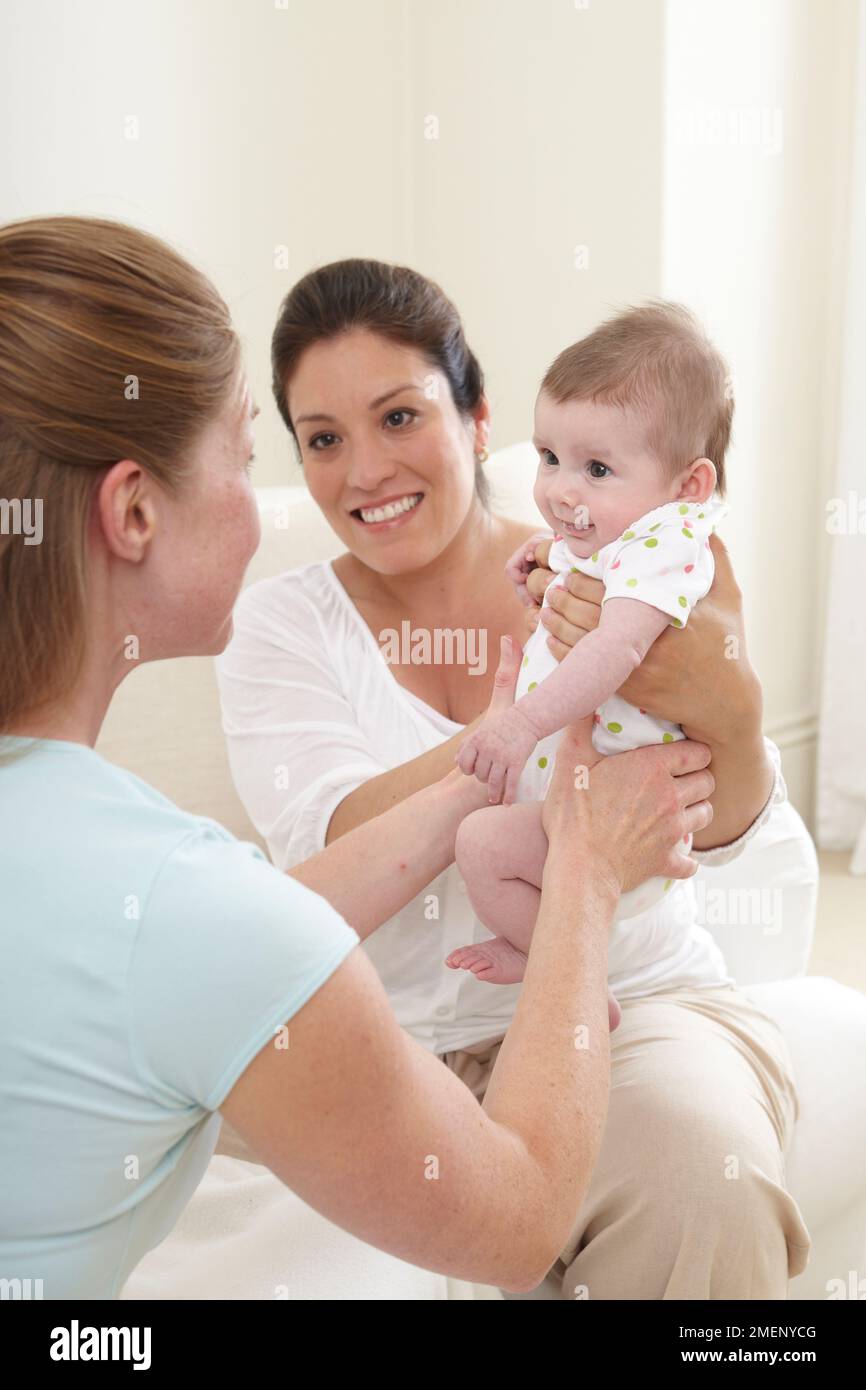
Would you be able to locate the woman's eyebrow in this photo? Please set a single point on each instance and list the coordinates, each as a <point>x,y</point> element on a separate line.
<point>380,400</point>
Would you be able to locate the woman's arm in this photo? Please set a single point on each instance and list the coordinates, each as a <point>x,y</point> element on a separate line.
<point>371,871</point>
<point>375,1133</point>
<point>699,676</point>
<point>379,794</point>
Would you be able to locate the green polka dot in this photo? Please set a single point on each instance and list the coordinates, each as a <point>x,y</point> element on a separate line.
<point>574,570</point>
<point>683,509</point>
<point>594,555</point>
<point>631,583</point>
<point>683,602</point>
<point>656,527</point>
<point>687,533</point>
<point>700,516</point>
<point>542,762</point>
<point>654,540</point>
<point>615,728</point>
<point>668,883</point>
<point>532,685</point>
<point>667,738</point>
<point>628,535</point>
<point>676,622</point>
<point>526,661</point>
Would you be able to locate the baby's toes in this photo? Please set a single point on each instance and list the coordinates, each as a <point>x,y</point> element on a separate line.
<point>463,958</point>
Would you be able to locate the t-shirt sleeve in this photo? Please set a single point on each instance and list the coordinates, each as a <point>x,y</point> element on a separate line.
<point>228,949</point>
<point>667,565</point>
<point>295,746</point>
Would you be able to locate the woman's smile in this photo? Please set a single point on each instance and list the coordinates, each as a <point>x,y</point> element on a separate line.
<point>389,513</point>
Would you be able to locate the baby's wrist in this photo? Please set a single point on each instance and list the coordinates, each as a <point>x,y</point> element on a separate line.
<point>528,722</point>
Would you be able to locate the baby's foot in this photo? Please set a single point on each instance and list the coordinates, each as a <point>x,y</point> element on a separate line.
<point>496,962</point>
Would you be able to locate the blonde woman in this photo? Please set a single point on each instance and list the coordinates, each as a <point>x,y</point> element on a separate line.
<point>151,963</point>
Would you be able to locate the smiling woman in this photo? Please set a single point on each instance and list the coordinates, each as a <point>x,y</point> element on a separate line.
<point>374,379</point>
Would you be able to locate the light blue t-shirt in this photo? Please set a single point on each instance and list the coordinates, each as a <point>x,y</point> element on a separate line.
<point>146,956</point>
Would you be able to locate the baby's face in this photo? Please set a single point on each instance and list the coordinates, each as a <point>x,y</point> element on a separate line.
<point>595,471</point>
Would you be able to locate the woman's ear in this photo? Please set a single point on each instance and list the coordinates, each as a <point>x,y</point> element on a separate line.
<point>126,510</point>
<point>481,419</point>
<point>700,482</point>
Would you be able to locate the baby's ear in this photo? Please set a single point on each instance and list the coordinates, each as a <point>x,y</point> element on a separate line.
<point>700,484</point>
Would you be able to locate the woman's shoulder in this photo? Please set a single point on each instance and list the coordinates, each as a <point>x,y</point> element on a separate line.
<point>292,591</point>
<point>298,606</point>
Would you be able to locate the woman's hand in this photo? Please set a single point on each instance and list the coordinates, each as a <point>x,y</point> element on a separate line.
<point>665,788</point>
<point>501,707</point>
<point>698,676</point>
<point>572,611</point>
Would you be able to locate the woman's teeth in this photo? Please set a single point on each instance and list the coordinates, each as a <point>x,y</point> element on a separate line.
<point>393,509</point>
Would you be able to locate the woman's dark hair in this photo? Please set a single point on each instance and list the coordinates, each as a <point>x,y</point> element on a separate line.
<point>391,300</point>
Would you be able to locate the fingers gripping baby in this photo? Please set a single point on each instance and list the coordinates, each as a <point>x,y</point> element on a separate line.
<point>624,423</point>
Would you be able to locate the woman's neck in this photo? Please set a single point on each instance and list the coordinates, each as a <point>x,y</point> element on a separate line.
<point>78,718</point>
<point>444,583</point>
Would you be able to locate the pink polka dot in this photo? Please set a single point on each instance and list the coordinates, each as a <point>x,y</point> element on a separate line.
<point>689,569</point>
<point>616,565</point>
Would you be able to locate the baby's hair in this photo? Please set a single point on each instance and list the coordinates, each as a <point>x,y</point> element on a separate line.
<point>657,359</point>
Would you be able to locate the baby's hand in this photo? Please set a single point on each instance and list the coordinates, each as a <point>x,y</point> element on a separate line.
<point>522,562</point>
<point>497,752</point>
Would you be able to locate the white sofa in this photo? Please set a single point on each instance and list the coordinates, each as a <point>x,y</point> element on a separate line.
<point>164,725</point>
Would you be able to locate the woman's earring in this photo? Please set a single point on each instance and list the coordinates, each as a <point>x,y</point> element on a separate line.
<point>483,456</point>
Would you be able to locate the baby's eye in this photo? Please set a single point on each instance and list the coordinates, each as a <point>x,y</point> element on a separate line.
<point>547,457</point>
<point>594,463</point>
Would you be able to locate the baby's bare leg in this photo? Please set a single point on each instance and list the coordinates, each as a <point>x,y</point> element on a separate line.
<point>500,851</point>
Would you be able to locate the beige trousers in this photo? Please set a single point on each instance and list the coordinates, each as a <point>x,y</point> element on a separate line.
<point>687,1199</point>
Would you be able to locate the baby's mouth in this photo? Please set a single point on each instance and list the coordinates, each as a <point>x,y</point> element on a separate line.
<point>569,529</point>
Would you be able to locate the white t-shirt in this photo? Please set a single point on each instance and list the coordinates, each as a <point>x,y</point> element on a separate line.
<point>311,711</point>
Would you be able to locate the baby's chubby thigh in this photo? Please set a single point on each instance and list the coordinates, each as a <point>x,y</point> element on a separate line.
<point>501,842</point>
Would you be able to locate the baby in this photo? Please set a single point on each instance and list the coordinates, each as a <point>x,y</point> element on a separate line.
<point>631,426</point>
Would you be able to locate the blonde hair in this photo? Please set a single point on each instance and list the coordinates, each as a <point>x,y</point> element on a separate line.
<point>656,359</point>
<point>111,346</point>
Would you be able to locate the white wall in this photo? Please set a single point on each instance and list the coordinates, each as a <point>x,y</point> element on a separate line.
<point>306,126</point>
<point>757,147</point>
<point>559,125</point>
